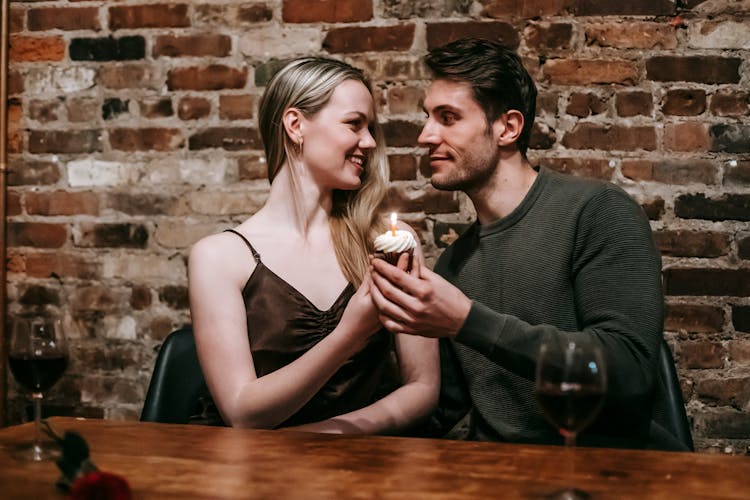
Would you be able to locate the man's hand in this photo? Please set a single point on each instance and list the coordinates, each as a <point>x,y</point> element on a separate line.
<point>420,303</point>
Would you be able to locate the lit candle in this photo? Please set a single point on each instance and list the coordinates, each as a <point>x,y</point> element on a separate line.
<point>393,223</point>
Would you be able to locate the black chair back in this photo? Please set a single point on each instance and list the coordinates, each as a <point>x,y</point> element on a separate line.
<point>177,390</point>
<point>669,408</point>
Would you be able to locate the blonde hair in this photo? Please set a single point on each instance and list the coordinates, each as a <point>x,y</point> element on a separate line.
<point>307,84</point>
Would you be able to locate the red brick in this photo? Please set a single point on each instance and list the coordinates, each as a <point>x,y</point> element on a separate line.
<point>442,33</point>
<point>542,136</point>
<point>15,142</point>
<point>36,49</point>
<point>631,35</point>
<point>730,137</point>
<point>546,102</point>
<point>227,138</point>
<point>366,39</point>
<point>403,199</point>
<point>16,20</point>
<point>61,141</point>
<point>548,36</point>
<point>710,282</point>
<point>15,82</point>
<point>156,108</point>
<point>145,139</point>
<point>654,208</point>
<point>405,100</point>
<point>95,298</point>
<point>149,16</point>
<point>702,69</point>
<point>523,8</point>
<point>231,15</point>
<point>741,318</point>
<point>83,109</point>
<point>698,355</point>
<point>725,207</point>
<point>401,134</point>
<point>15,112</point>
<point>671,171</point>
<point>236,107</point>
<point>45,111</point>
<point>588,71</point>
<point>252,167</point>
<point>114,235</point>
<point>175,297</point>
<point>193,108</point>
<point>739,351</point>
<point>403,167</point>
<point>398,69</point>
<point>738,174</point>
<point>743,247</point>
<point>140,298</point>
<point>693,318</point>
<point>62,203</point>
<point>582,167</point>
<point>45,265</point>
<point>684,102</point>
<point>13,201</point>
<point>134,75</point>
<point>634,103</point>
<point>36,234</point>
<point>612,137</point>
<point>213,77</point>
<point>28,172</point>
<point>326,11</point>
<point>585,104</point>
<point>726,391</point>
<point>692,243</point>
<point>686,136</point>
<point>730,103</point>
<point>143,203</point>
<point>37,295</point>
<point>64,18</point>
<point>620,8</point>
<point>439,202</point>
<point>195,45</point>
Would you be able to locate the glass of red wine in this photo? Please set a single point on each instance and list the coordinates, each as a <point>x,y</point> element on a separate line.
<point>571,383</point>
<point>37,356</point>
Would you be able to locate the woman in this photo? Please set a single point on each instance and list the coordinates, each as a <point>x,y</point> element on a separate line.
<point>286,330</point>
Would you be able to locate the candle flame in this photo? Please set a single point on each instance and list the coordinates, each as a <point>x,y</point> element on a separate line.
<point>393,223</point>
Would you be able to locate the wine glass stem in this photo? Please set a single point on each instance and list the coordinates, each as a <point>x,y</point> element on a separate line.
<point>37,397</point>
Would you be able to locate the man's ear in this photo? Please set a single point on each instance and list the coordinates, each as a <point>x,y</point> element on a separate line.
<point>292,120</point>
<point>507,129</point>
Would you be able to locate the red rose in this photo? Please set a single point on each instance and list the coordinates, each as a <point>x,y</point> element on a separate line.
<point>97,485</point>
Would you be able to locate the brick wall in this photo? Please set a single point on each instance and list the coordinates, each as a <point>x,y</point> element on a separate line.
<point>134,133</point>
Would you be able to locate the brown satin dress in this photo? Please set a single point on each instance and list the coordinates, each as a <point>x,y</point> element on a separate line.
<point>283,324</point>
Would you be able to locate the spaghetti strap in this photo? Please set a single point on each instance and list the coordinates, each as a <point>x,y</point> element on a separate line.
<point>256,255</point>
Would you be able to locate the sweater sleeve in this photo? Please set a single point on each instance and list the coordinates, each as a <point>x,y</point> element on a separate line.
<point>615,276</point>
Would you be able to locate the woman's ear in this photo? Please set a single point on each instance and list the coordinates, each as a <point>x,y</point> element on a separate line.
<point>292,120</point>
<point>507,129</point>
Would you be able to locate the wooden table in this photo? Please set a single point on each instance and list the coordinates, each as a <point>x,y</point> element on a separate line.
<point>162,461</point>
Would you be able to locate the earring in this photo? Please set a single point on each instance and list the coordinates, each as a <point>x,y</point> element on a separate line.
<point>299,145</point>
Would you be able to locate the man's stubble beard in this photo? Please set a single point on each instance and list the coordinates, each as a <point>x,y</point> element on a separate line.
<point>471,174</point>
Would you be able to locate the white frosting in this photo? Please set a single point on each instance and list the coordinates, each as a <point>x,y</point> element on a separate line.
<point>401,242</point>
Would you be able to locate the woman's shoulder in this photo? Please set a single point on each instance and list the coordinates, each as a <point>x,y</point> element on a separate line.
<point>223,252</point>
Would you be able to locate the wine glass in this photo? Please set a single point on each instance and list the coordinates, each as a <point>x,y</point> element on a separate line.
<point>38,356</point>
<point>571,382</point>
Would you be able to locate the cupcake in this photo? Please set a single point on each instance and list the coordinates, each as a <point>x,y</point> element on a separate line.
<point>390,245</point>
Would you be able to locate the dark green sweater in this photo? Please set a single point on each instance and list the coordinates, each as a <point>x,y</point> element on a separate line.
<point>576,256</point>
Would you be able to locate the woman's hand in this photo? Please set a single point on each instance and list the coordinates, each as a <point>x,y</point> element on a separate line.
<point>360,318</point>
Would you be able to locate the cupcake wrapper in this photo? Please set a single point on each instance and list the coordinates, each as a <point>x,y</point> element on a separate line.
<point>392,257</point>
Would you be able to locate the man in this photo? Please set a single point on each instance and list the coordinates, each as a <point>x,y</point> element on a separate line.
<point>549,254</point>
